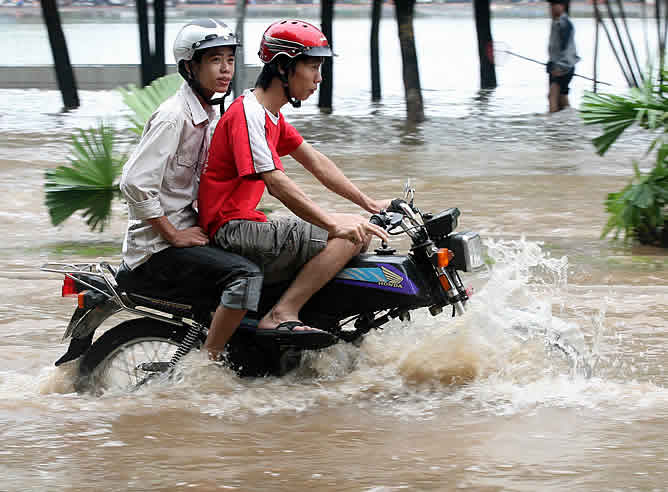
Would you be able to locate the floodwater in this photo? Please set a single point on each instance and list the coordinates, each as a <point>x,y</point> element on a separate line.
<point>433,404</point>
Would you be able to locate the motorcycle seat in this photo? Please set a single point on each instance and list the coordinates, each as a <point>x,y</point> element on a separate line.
<point>175,300</point>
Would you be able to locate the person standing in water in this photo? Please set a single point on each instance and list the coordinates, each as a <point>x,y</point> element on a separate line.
<point>562,55</point>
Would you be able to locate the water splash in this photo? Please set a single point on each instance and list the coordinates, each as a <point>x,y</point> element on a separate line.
<point>494,358</point>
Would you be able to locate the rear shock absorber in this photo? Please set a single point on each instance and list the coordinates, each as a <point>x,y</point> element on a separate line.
<point>187,344</point>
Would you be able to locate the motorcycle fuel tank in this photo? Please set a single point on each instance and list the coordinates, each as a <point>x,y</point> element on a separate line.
<point>372,283</point>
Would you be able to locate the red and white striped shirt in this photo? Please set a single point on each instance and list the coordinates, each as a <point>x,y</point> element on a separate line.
<point>248,140</point>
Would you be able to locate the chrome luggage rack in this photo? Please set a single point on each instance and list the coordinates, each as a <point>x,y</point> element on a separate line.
<point>107,274</point>
<point>102,270</point>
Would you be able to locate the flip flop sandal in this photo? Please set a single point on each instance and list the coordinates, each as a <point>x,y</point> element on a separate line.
<point>285,333</point>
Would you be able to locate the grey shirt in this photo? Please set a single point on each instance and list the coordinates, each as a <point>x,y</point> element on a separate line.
<point>561,48</point>
<point>161,177</point>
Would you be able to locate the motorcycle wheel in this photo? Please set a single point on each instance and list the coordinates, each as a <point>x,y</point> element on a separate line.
<point>117,360</point>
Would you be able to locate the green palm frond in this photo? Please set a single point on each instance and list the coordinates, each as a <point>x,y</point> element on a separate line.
<point>144,101</point>
<point>639,209</point>
<point>89,182</point>
<point>643,106</point>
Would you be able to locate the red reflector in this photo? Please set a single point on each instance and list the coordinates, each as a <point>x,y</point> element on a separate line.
<point>69,287</point>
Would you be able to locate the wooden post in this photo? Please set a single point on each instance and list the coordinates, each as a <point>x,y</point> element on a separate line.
<point>485,44</point>
<point>152,63</point>
<point>61,58</point>
<point>596,54</point>
<point>411,75</point>
<point>239,76</point>
<point>159,69</point>
<point>376,11</point>
<point>326,86</point>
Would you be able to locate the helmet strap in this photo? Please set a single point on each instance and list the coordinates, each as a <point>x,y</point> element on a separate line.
<point>220,100</point>
<point>197,87</point>
<point>296,103</point>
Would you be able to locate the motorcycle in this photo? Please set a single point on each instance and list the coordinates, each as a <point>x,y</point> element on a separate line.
<point>372,289</point>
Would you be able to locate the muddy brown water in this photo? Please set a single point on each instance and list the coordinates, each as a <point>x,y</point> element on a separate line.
<point>434,404</point>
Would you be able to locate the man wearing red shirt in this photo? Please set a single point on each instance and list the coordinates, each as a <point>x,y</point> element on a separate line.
<point>244,159</point>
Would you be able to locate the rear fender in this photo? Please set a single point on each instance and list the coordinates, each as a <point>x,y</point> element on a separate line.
<point>86,320</point>
<point>82,327</point>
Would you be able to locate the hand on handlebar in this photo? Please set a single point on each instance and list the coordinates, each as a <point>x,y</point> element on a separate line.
<point>192,236</point>
<point>356,229</point>
<point>395,206</point>
<point>377,205</point>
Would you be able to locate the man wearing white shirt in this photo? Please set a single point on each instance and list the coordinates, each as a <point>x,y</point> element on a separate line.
<point>163,244</point>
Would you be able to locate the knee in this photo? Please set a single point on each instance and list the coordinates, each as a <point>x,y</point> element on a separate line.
<point>250,269</point>
<point>346,246</point>
<point>243,292</point>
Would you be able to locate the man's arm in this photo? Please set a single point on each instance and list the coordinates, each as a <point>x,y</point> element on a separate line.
<point>141,181</point>
<point>179,238</point>
<point>281,187</point>
<point>331,176</point>
<point>352,227</point>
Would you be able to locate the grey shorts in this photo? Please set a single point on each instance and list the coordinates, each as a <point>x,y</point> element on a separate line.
<point>280,247</point>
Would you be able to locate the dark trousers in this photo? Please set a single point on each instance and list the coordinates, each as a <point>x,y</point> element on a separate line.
<point>198,275</point>
<point>563,81</point>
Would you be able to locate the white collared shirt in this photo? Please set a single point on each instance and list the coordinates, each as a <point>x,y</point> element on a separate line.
<point>161,177</point>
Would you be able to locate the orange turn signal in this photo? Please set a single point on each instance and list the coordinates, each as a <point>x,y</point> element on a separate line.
<point>443,257</point>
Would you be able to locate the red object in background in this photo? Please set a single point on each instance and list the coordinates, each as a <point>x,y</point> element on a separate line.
<point>490,52</point>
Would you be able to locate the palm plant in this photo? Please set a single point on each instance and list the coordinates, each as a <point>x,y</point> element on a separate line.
<point>143,102</point>
<point>89,182</point>
<point>639,209</point>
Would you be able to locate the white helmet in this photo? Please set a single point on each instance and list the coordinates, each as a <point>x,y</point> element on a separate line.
<point>201,34</point>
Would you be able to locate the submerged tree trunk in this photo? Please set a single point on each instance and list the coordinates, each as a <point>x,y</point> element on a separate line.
<point>239,75</point>
<point>152,62</point>
<point>375,52</point>
<point>485,44</point>
<point>595,71</point>
<point>414,104</point>
<point>327,86</point>
<point>61,58</point>
<point>144,44</point>
<point>159,69</point>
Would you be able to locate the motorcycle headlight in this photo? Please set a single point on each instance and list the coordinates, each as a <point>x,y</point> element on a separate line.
<point>467,248</point>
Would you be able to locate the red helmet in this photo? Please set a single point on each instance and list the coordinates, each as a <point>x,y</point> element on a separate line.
<point>293,38</point>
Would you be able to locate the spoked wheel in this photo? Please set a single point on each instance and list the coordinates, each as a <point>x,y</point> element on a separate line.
<point>128,355</point>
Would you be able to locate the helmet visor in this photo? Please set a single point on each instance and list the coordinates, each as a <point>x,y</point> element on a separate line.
<point>212,42</point>
<point>318,51</point>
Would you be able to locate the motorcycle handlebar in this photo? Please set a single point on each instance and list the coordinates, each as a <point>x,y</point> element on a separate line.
<point>377,220</point>
<point>396,206</point>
